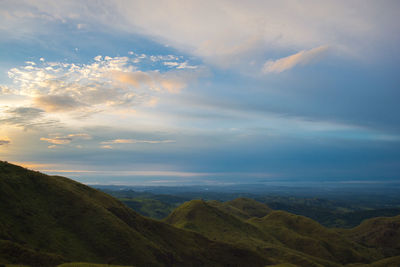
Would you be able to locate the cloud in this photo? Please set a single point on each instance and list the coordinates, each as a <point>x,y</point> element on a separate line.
<point>57,139</point>
<point>136,79</point>
<point>27,118</point>
<point>303,57</point>
<point>4,90</point>
<point>172,82</point>
<point>179,65</point>
<point>80,136</point>
<point>54,103</point>
<point>28,113</point>
<point>4,141</point>
<point>234,33</point>
<point>105,83</point>
<point>135,141</point>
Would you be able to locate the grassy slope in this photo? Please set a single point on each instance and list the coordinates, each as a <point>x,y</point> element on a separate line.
<point>84,264</point>
<point>303,234</point>
<point>243,208</point>
<point>207,219</point>
<point>284,236</point>
<point>47,220</point>
<point>152,208</point>
<point>48,214</point>
<point>382,233</point>
<point>199,216</point>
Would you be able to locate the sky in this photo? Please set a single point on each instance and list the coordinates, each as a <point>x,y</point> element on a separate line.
<point>201,92</point>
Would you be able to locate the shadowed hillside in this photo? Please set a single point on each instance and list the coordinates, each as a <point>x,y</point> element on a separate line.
<point>51,220</point>
<point>281,235</point>
<point>381,233</point>
<point>47,220</point>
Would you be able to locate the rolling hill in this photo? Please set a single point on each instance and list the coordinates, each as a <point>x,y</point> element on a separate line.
<point>281,235</point>
<point>52,220</point>
<point>48,220</point>
<point>382,233</point>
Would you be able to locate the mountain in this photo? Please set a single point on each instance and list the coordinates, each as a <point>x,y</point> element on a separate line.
<point>244,208</point>
<point>382,233</point>
<point>306,235</point>
<point>47,220</point>
<point>280,235</point>
<point>52,220</point>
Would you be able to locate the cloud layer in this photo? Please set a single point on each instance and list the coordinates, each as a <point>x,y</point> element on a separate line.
<point>224,33</point>
<point>301,58</point>
<point>113,82</point>
<point>194,86</point>
<point>56,91</point>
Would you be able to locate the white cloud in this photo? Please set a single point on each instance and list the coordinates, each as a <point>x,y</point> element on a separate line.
<point>184,65</point>
<point>223,32</point>
<point>4,90</point>
<point>171,64</point>
<point>301,58</point>
<point>108,82</point>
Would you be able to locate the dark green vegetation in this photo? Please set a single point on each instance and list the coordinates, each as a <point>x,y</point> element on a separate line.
<point>48,220</point>
<point>278,234</point>
<point>83,264</point>
<point>340,210</point>
<point>52,220</point>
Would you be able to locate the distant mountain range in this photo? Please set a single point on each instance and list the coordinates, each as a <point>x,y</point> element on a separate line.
<point>52,220</point>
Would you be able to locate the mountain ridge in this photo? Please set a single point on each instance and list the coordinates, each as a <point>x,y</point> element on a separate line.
<point>49,220</point>
<point>53,214</point>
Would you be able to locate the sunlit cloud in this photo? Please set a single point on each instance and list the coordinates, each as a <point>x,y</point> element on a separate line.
<point>136,141</point>
<point>57,139</point>
<point>4,90</point>
<point>57,86</point>
<point>105,85</point>
<point>171,82</point>
<point>303,57</point>
<point>234,33</point>
<point>80,136</point>
<point>34,165</point>
<point>108,84</point>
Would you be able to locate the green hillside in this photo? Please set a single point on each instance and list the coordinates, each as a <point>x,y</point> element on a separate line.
<point>51,221</point>
<point>206,218</point>
<point>48,220</point>
<point>382,233</point>
<point>280,235</point>
<point>303,234</point>
<point>243,208</point>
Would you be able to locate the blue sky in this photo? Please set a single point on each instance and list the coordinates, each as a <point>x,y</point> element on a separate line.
<point>201,92</point>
